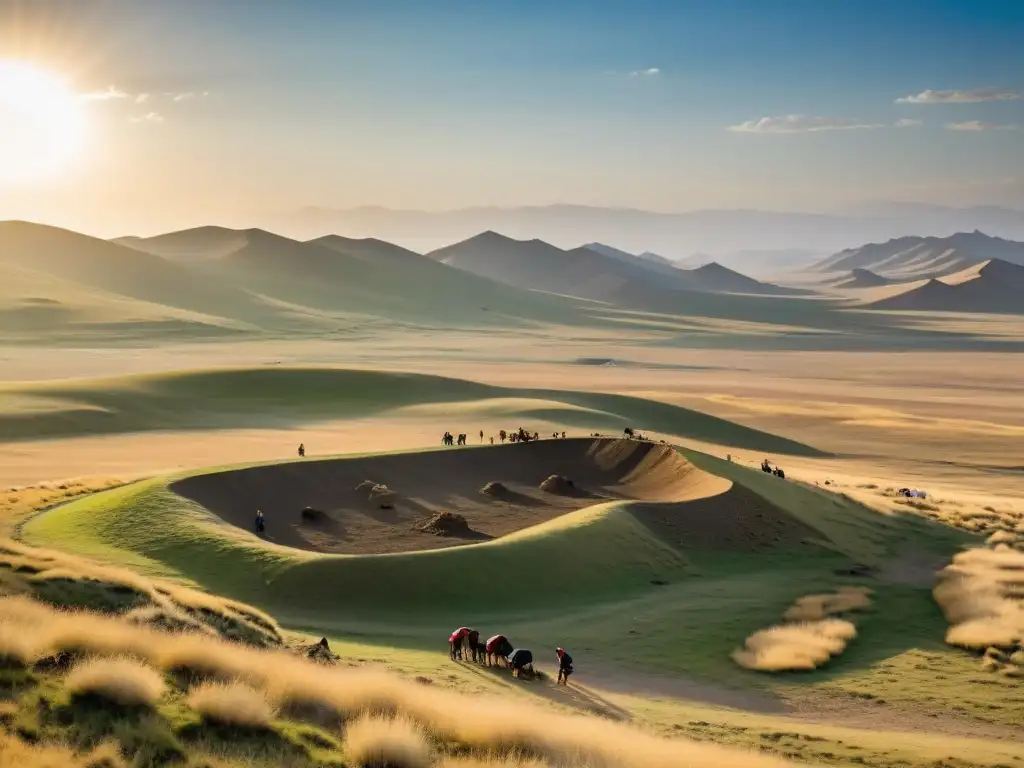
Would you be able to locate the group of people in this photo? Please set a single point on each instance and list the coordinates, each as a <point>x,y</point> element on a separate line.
<point>450,439</point>
<point>498,648</point>
<point>766,467</point>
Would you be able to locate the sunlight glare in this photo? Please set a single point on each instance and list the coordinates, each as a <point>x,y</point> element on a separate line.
<point>42,124</point>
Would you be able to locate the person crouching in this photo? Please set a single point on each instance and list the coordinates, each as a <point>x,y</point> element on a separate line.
<point>564,666</point>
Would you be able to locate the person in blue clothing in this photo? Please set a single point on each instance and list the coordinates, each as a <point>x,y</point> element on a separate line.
<point>261,523</point>
<point>564,666</point>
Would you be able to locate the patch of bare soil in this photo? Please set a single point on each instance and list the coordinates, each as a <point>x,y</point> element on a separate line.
<point>375,504</point>
<point>737,520</point>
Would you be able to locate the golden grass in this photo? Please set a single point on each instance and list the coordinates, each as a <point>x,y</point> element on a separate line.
<point>234,704</point>
<point>375,742</point>
<point>801,646</point>
<point>979,594</point>
<point>70,580</point>
<point>18,647</point>
<point>485,726</point>
<point>810,638</point>
<point>15,753</point>
<point>123,681</point>
<point>817,607</point>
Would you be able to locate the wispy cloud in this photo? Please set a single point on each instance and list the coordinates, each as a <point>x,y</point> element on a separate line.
<point>801,124</point>
<point>107,94</point>
<point>977,125</point>
<point>906,122</point>
<point>182,96</point>
<point>649,72</point>
<point>149,117</point>
<point>141,98</point>
<point>962,97</point>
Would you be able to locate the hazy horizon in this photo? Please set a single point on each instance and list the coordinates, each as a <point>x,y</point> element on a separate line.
<point>153,117</point>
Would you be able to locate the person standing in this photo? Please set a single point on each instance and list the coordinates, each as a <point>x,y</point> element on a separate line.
<point>564,666</point>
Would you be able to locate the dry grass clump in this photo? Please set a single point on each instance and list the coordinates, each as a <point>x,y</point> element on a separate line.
<point>810,638</point>
<point>232,704</point>
<point>125,682</point>
<point>817,607</point>
<point>260,679</point>
<point>18,647</point>
<point>801,646</point>
<point>1001,537</point>
<point>979,593</point>
<point>379,742</point>
<point>73,582</point>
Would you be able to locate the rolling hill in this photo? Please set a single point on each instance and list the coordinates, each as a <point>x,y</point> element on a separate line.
<point>992,286</point>
<point>861,278</point>
<point>910,258</point>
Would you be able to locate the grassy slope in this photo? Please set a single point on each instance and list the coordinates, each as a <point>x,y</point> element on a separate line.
<point>686,628</point>
<point>248,397</point>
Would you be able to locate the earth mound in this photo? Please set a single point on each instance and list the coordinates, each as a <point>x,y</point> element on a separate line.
<point>447,524</point>
<point>558,484</point>
<point>498,490</point>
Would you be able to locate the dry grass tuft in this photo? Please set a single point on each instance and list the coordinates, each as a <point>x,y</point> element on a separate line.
<point>18,648</point>
<point>817,607</point>
<point>802,646</point>
<point>379,742</point>
<point>124,681</point>
<point>1001,537</point>
<point>979,595</point>
<point>232,704</point>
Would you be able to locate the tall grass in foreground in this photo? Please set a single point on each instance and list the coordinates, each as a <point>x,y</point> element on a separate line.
<point>121,681</point>
<point>379,741</point>
<point>486,727</point>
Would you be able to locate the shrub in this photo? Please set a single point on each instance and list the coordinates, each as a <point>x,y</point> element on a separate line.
<point>378,742</point>
<point>232,704</point>
<point>125,682</point>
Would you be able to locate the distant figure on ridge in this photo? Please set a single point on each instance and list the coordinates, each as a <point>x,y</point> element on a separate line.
<point>481,436</point>
<point>302,450</point>
<point>261,523</point>
<point>564,666</point>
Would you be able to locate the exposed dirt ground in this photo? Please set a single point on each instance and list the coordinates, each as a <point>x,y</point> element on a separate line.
<point>424,484</point>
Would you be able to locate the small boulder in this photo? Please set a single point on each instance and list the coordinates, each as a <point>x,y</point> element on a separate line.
<point>321,653</point>
<point>312,515</point>
<point>498,490</point>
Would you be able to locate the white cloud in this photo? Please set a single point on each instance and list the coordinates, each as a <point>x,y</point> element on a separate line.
<point>149,117</point>
<point>107,94</point>
<point>906,122</point>
<point>801,124</point>
<point>649,72</point>
<point>183,96</point>
<point>141,98</point>
<point>962,97</point>
<point>977,125</point>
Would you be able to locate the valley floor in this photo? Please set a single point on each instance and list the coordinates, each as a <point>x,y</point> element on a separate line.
<point>949,423</point>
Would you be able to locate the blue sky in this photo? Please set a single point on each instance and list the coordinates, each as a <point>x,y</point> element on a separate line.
<point>661,105</point>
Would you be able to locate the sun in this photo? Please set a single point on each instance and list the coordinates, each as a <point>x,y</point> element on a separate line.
<point>42,124</point>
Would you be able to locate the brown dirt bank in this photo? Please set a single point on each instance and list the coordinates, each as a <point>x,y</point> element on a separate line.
<point>447,480</point>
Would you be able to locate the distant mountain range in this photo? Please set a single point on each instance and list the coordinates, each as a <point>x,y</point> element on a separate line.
<point>594,271</point>
<point>739,239</point>
<point>908,258</point>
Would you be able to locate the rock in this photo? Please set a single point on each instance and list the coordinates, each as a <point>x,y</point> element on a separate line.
<point>321,653</point>
<point>312,515</point>
<point>498,490</point>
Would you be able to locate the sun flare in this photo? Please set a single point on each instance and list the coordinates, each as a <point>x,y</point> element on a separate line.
<point>42,123</point>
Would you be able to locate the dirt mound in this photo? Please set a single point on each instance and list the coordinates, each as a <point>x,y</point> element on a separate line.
<point>497,490</point>
<point>447,524</point>
<point>559,484</point>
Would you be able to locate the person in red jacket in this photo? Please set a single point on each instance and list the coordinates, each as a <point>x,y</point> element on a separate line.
<point>455,641</point>
<point>498,647</point>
